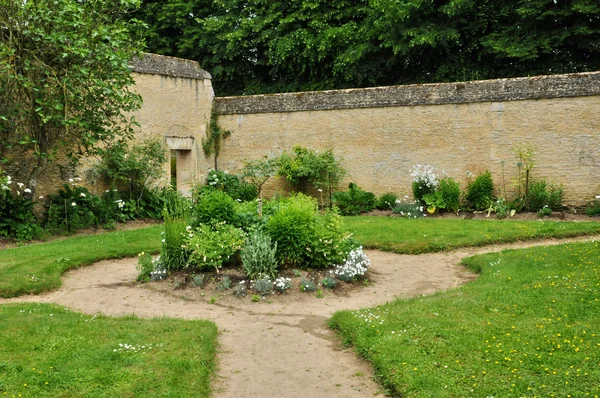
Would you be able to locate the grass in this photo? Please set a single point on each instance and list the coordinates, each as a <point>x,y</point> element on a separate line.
<point>48,351</point>
<point>414,236</point>
<point>37,268</point>
<point>529,326</point>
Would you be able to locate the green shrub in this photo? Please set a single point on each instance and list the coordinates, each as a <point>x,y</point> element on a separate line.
<point>73,208</point>
<point>328,282</point>
<point>329,244</point>
<point>480,192</point>
<point>214,206</point>
<point>354,201</point>
<point>306,285</point>
<point>593,208</point>
<point>224,283</point>
<point>263,286</point>
<point>387,201</point>
<point>211,246</point>
<point>17,219</point>
<point>450,192</point>
<point>247,214</point>
<point>408,209</point>
<point>424,182</point>
<point>234,186</point>
<point>258,255</point>
<point>291,227</point>
<point>541,195</point>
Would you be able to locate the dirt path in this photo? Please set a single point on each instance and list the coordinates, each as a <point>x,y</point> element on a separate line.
<point>273,349</point>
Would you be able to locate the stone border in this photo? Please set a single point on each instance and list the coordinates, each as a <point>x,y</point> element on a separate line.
<point>154,64</point>
<point>526,88</point>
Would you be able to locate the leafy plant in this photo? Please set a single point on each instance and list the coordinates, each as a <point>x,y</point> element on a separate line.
<point>542,195</point>
<point>450,193</point>
<point>434,201</point>
<point>307,285</point>
<point>65,80</point>
<point>210,247</point>
<point>176,226</point>
<point>259,255</point>
<point>263,285</point>
<point>17,218</point>
<point>255,298</point>
<point>480,192</point>
<point>74,207</point>
<point>354,201</point>
<point>258,172</point>
<point>386,201</point>
<point>211,144</point>
<point>328,282</point>
<point>240,289</point>
<point>214,206</point>
<point>224,283</point>
<point>424,182</point>
<point>198,280</point>
<point>144,267</point>
<point>408,209</point>
<point>232,185</point>
<point>593,208</point>
<point>544,211</point>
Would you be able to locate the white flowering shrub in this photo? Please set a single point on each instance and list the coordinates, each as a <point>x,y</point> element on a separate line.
<point>282,284</point>
<point>150,269</point>
<point>356,265</point>
<point>424,181</point>
<point>407,208</point>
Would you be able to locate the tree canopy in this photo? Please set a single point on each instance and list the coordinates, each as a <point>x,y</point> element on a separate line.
<point>64,79</point>
<point>267,46</point>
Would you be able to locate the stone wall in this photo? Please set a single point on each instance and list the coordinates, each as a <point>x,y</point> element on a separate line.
<point>381,133</point>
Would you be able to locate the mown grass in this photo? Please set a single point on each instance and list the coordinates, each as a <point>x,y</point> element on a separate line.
<point>37,268</point>
<point>414,236</point>
<point>48,351</point>
<point>529,326</point>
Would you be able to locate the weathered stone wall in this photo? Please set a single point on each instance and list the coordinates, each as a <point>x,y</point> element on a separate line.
<point>381,133</point>
<point>177,102</point>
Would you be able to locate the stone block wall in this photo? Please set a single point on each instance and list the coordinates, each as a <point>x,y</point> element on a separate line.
<point>382,132</point>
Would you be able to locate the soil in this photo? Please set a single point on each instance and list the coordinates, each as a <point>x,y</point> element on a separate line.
<point>281,345</point>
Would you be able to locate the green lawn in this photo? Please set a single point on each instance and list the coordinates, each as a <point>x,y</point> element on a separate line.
<point>529,326</point>
<point>48,351</point>
<point>38,267</point>
<point>414,236</point>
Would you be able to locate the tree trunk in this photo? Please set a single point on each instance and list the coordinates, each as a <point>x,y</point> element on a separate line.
<point>32,181</point>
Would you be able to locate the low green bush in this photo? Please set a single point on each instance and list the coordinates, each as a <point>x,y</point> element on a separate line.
<point>543,195</point>
<point>593,208</point>
<point>450,192</point>
<point>354,201</point>
<point>210,246</point>
<point>233,185</point>
<point>213,206</point>
<point>387,201</point>
<point>258,255</point>
<point>74,207</point>
<point>480,192</point>
<point>17,219</point>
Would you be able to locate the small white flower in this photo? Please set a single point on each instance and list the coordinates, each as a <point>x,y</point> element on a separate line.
<point>27,190</point>
<point>70,180</point>
<point>82,195</point>
<point>41,197</point>
<point>20,184</point>
<point>163,241</point>
<point>73,204</point>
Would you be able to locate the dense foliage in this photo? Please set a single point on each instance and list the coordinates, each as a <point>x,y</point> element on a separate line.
<point>64,80</point>
<point>273,46</point>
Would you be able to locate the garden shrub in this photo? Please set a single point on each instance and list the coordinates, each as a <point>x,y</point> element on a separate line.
<point>291,227</point>
<point>355,266</point>
<point>542,195</point>
<point>258,255</point>
<point>408,209</point>
<point>450,193</point>
<point>354,201</point>
<point>232,185</point>
<point>593,208</point>
<point>17,219</point>
<point>424,182</point>
<point>213,206</point>
<point>480,192</point>
<point>74,207</point>
<point>307,285</point>
<point>210,246</point>
<point>263,285</point>
<point>330,244</point>
<point>176,228</point>
<point>386,201</point>
<point>282,284</point>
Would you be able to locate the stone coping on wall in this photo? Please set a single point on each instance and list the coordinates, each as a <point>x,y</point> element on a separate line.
<point>155,64</point>
<point>526,88</point>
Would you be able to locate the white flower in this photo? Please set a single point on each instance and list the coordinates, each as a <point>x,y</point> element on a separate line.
<point>163,241</point>
<point>82,195</point>
<point>73,204</point>
<point>20,184</point>
<point>70,180</point>
<point>41,197</point>
<point>27,190</point>
<point>107,191</point>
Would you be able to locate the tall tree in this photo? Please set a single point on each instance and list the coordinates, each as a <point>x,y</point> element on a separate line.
<point>64,79</point>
